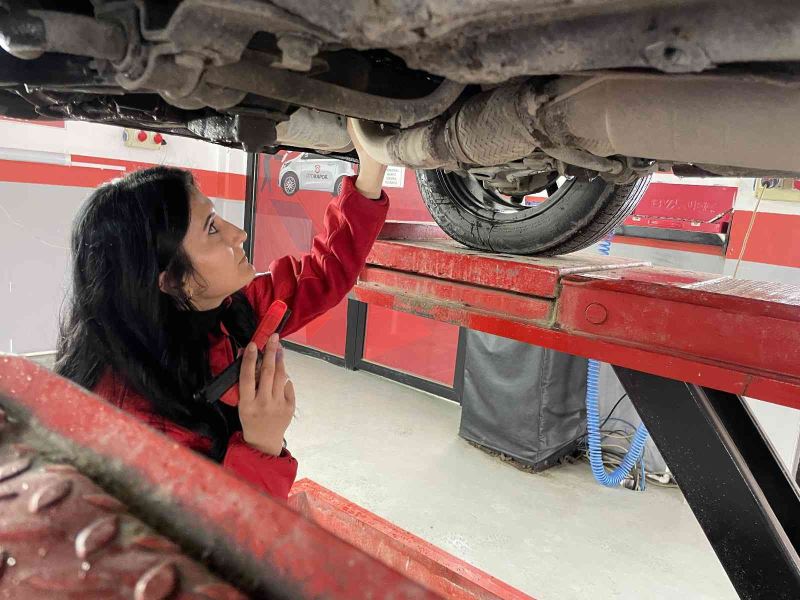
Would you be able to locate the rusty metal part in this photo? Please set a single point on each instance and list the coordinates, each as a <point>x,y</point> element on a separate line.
<point>264,547</point>
<point>253,132</point>
<point>584,159</point>
<point>687,119</point>
<point>308,128</point>
<point>406,23</point>
<point>163,72</point>
<point>252,76</point>
<point>747,125</point>
<point>416,147</point>
<point>705,170</point>
<point>597,127</point>
<point>203,32</point>
<point>496,40</point>
<point>30,34</point>
<point>219,30</point>
<point>298,51</point>
<point>486,130</point>
<point>545,38</point>
<point>668,322</point>
<point>205,95</point>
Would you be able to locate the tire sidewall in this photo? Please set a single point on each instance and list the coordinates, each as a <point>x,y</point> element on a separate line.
<point>285,178</point>
<point>337,187</point>
<point>559,226</point>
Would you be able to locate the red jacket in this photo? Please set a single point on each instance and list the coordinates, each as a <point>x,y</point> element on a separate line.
<point>310,286</point>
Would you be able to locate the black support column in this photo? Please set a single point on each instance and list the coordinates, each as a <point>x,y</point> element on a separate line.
<point>745,501</point>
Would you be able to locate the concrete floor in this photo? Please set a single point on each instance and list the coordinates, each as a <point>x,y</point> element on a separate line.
<point>555,535</point>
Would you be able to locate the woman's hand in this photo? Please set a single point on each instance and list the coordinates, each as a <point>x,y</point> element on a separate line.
<point>266,398</point>
<point>370,172</point>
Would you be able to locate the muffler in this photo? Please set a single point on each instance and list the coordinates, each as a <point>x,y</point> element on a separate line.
<point>698,119</point>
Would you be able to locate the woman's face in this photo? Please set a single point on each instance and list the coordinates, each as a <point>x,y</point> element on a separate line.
<point>214,247</point>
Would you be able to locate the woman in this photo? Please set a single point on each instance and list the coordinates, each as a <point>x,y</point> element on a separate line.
<point>164,299</point>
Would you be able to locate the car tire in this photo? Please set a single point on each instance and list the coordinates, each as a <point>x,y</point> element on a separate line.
<point>579,214</point>
<point>290,184</point>
<point>337,187</point>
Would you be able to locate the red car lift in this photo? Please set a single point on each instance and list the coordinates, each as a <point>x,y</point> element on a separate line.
<point>686,346</point>
<point>96,505</point>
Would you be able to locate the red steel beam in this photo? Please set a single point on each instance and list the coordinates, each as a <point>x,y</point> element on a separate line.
<point>243,532</point>
<point>421,561</point>
<point>733,335</point>
<point>448,260</point>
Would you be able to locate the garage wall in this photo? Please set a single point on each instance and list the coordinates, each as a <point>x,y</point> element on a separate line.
<point>46,172</point>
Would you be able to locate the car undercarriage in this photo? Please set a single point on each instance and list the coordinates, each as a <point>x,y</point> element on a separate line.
<point>490,101</point>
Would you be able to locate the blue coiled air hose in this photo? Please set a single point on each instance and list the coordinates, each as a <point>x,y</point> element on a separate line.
<point>636,448</point>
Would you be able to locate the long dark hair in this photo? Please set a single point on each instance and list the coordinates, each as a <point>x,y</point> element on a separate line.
<point>127,233</point>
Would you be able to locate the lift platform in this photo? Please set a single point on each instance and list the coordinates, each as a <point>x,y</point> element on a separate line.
<point>94,504</point>
<point>117,507</point>
<point>686,346</point>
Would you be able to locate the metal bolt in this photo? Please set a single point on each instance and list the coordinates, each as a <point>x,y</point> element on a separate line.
<point>298,51</point>
<point>596,313</point>
<point>677,56</point>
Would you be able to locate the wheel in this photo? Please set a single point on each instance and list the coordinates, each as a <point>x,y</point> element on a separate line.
<point>575,214</point>
<point>337,187</point>
<point>289,184</point>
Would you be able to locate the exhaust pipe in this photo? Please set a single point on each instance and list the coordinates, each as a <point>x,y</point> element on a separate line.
<point>684,119</point>
<point>486,130</point>
<point>743,123</point>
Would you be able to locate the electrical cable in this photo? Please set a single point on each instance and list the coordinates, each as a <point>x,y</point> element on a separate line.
<point>624,422</point>
<point>613,408</point>
<point>749,229</point>
<point>611,412</point>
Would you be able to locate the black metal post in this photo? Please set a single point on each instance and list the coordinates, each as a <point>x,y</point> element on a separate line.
<point>313,352</point>
<point>356,332</point>
<point>250,203</point>
<point>461,359</point>
<point>743,498</point>
<point>796,464</point>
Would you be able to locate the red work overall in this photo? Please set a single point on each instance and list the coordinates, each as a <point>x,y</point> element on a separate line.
<point>310,286</point>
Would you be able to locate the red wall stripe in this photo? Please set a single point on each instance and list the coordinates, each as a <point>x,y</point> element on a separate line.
<point>31,172</point>
<point>230,186</point>
<point>217,184</point>
<point>59,124</point>
<point>774,239</point>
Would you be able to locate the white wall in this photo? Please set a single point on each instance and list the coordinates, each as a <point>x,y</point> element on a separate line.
<point>34,238</point>
<point>89,139</point>
<point>36,218</point>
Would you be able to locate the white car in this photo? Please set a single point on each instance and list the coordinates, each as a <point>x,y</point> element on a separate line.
<point>310,171</point>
